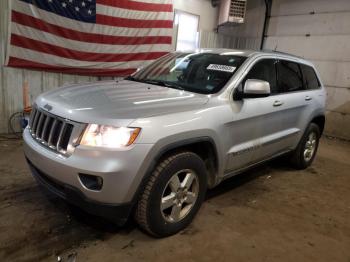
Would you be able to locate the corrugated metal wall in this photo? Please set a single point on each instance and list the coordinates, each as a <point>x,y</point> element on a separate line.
<point>318,30</point>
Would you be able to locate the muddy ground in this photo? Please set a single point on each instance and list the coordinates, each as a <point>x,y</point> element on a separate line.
<point>271,213</point>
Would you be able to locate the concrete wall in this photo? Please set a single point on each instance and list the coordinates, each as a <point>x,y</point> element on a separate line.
<point>318,30</point>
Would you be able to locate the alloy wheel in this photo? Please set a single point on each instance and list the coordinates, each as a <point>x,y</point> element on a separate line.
<point>179,196</point>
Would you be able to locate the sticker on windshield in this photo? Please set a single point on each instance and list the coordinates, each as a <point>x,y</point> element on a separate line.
<point>224,68</point>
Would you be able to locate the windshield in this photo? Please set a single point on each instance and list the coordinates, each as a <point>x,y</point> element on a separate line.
<point>204,73</point>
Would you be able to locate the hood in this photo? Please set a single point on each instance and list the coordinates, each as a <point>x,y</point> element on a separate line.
<point>119,103</point>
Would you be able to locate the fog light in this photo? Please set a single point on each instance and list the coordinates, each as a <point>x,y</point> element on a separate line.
<point>91,182</point>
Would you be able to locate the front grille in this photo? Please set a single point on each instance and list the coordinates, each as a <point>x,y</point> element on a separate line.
<point>53,132</point>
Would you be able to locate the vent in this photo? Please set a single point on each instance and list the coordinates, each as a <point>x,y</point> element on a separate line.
<point>232,12</point>
<point>237,11</point>
<point>53,132</point>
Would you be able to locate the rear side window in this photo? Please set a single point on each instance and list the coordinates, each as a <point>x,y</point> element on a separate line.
<point>310,77</point>
<point>264,70</point>
<point>289,76</point>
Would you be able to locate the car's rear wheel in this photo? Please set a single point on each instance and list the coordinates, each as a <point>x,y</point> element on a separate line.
<point>305,153</point>
<point>172,195</point>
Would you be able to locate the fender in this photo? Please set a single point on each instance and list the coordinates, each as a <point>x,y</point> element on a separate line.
<point>157,154</point>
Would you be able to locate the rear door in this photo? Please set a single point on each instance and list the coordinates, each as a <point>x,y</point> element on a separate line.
<point>294,99</point>
<point>313,94</point>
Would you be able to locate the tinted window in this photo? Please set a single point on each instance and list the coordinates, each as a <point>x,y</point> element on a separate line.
<point>310,78</point>
<point>204,73</point>
<point>264,70</point>
<point>289,76</point>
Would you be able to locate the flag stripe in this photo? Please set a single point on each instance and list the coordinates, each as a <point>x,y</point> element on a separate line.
<point>28,43</point>
<point>36,23</point>
<point>67,23</point>
<point>132,14</point>
<point>49,38</point>
<point>22,63</point>
<point>141,6</point>
<point>44,58</point>
<point>132,23</point>
<point>169,2</point>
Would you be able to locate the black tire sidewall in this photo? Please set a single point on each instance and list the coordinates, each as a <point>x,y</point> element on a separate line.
<point>156,222</point>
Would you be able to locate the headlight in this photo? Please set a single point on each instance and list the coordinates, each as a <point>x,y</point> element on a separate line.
<point>109,136</point>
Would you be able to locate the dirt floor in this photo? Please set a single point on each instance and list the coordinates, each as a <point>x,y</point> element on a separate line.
<point>271,213</point>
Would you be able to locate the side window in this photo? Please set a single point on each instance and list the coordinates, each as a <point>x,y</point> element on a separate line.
<point>264,70</point>
<point>289,76</point>
<point>310,77</point>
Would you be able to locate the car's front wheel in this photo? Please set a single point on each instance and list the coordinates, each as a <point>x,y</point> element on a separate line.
<point>172,195</point>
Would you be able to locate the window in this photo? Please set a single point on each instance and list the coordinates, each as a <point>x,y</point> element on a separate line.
<point>187,32</point>
<point>264,70</point>
<point>289,76</point>
<point>310,77</point>
<point>204,73</point>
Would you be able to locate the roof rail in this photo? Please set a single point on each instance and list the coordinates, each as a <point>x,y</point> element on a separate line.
<point>282,53</point>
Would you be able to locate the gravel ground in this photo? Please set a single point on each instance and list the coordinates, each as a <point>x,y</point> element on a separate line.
<point>271,213</point>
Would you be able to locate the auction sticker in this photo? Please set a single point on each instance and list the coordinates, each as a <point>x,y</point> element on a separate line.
<point>224,68</point>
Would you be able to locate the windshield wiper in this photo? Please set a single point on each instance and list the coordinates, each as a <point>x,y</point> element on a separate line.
<point>156,82</point>
<point>163,83</point>
<point>131,78</point>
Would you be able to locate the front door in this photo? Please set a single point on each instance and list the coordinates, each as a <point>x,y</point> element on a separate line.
<point>257,123</point>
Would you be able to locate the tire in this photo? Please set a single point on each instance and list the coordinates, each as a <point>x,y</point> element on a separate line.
<point>298,157</point>
<point>162,184</point>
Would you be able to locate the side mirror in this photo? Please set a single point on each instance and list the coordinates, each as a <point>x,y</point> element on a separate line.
<point>256,88</point>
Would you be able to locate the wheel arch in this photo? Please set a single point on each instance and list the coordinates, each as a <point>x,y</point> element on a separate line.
<point>190,144</point>
<point>204,147</point>
<point>320,121</point>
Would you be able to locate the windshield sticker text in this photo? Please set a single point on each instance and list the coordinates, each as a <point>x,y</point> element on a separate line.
<point>224,68</point>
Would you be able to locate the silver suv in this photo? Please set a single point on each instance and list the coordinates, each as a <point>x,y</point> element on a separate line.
<point>151,144</point>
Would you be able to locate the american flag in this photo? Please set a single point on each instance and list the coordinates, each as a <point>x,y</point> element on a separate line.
<point>94,37</point>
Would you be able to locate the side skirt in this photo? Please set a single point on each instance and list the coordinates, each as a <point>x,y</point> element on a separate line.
<point>243,169</point>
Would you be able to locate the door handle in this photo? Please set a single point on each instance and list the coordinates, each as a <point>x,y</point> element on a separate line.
<point>308,98</point>
<point>277,103</point>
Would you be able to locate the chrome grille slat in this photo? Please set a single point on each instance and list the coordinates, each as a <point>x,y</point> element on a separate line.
<point>46,124</point>
<point>54,124</point>
<point>35,121</point>
<point>56,133</point>
<point>32,114</point>
<point>60,136</point>
<point>39,126</point>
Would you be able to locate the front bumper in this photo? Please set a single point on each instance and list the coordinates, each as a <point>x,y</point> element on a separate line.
<point>118,214</point>
<point>121,170</point>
